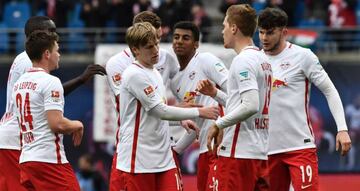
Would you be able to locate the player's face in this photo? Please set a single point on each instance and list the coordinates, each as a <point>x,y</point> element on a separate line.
<point>227,34</point>
<point>148,55</point>
<point>54,57</point>
<point>183,43</point>
<point>271,39</point>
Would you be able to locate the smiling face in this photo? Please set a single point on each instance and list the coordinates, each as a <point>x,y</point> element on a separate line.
<point>184,43</point>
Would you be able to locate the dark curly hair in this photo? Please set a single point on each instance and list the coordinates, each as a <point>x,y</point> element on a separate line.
<point>272,17</point>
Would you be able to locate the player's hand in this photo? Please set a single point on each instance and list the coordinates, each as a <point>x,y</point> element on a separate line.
<point>207,88</point>
<point>211,112</point>
<point>77,135</point>
<point>91,70</point>
<point>213,134</point>
<point>189,125</point>
<point>343,142</point>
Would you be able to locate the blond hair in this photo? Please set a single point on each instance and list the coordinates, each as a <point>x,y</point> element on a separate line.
<point>244,17</point>
<point>140,34</point>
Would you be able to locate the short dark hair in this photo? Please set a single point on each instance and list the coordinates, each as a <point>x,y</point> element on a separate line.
<point>39,23</point>
<point>272,17</point>
<point>244,17</point>
<point>188,25</point>
<point>38,42</point>
<point>148,16</point>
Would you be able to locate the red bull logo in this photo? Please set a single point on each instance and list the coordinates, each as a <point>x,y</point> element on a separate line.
<point>278,83</point>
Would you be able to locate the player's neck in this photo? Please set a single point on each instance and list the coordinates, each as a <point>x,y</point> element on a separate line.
<point>41,65</point>
<point>184,60</point>
<point>242,43</point>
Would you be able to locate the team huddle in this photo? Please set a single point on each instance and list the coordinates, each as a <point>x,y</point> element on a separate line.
<point>252,119</point>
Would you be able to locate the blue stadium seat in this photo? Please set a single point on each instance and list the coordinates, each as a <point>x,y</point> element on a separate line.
<point>4,39</point>
<point>258,6</point>
<point>20,42</point>
<point>16,14</point>
<point>308,23</point>
<point>76,41</point>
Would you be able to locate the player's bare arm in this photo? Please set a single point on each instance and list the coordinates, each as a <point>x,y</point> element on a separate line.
<point>89,72</point>
<point>59,124</point>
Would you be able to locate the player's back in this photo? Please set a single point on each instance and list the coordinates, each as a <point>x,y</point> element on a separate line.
<point>35,93</point>
<point>9,127</point>
<point>249,70</point>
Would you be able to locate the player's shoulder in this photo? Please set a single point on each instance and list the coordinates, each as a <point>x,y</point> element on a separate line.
<point>22,60</point>
<point>206,56</point>
<point>121,59</point>
<point>299,49</point>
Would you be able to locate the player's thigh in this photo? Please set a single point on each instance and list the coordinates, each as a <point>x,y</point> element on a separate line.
<point>10,170</point>
<point>138,181</point>
<point>303,166</point>
<point>168,181</point>
<point>279,174</point>
<point>235,174</point>
<point>54,177</point>
<point>263,177</point>
<point>202,171</point>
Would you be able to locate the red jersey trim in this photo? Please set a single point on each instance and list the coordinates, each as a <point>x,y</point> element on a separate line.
<point>58,156</point>
<point>290,45</point>
<point>235,138</point>
<point>136,136</point>
<point>36,70</point>
<point>117,100</point>
<point>307,106</point>
<point>127,54</point>
<point>252,48</point>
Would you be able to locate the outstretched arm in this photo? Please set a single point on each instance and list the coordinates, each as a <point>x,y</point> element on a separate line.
<point>337,110</point>
<point>89,72</point>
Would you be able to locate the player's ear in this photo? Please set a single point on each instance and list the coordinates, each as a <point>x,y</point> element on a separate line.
<point>46,54</point>
<point>135,51</point>
<point>234,28</point>
<point>196,45</point>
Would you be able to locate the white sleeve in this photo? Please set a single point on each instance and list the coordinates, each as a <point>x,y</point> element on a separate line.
<point>334,102</point>
<point>215,70</point>
<point>143,89</point>
<point>312,68</point>
<point>244,74</point>
<point>53,95</point>
<point>184,142</point>
<point>221,97</point>
<point>114,69</point>
<point>248,107</point>
<point>172,113</point>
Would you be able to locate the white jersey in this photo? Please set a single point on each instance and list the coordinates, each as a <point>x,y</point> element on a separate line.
<point>116,65</point>
<point>295,68</point>
<point>144,140</point>
<point>249,70</point>
<point>183,85</point>
<point>35,93</point>
<point>9,127</point>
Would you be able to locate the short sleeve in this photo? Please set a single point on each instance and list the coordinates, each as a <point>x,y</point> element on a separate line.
<point>244,74</point>
<point>53,95</point>
<point>214,68</point>
<point>312,68</point>
<point>114,67</point>
<point>145,91</point>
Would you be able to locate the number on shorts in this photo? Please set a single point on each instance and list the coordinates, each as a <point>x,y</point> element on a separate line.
<point>308,172</point>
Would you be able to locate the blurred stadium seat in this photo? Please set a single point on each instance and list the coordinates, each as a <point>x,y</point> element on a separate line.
<point>4,39</point>
<point>16,14</point>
